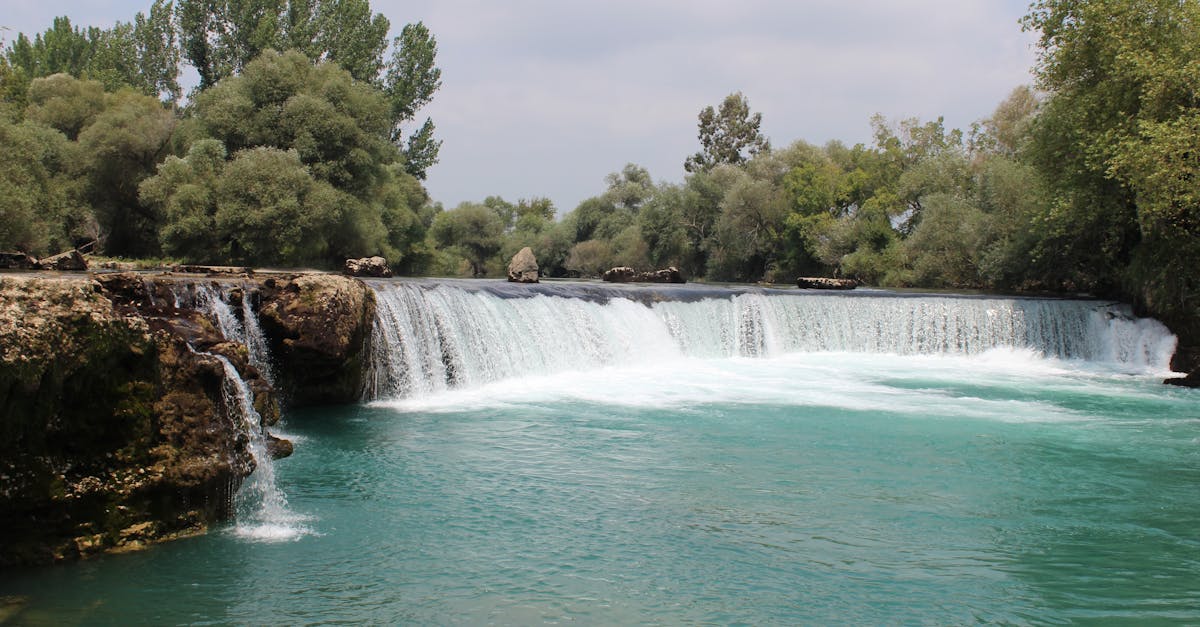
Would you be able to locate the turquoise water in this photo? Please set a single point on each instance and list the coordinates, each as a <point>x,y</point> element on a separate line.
<point>815,488</point>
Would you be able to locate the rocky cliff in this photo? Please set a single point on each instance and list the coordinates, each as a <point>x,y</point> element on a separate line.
<point>116,426</point>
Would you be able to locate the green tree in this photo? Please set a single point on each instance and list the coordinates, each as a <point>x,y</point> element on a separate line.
<point>184,193</point>
<point>336,125</point>
<point>142,54</point>
<point>728,136</point>
<point>220,37</point>
<point>341,31</point>
<point>41,209</point>
<point>65,103</point>
<point>590,258</point>
<point>410,79</point>
<point>121,148</point>
<point>1095,62</point>
<point>473,230</point>
<point>270,210</point>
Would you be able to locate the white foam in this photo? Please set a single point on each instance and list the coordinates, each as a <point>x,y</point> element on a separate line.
<point>929,386</point>
<point>434,338</point>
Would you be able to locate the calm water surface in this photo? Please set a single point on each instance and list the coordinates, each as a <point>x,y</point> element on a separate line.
<point>824,488</point>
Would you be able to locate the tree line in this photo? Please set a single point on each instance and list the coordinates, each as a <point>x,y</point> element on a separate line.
<point>1087,181</point>
<point>300,146</point>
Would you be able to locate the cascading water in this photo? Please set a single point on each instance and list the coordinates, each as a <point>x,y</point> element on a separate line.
<point>262,509</point>
<point>246,330</point>
<point>436,335</point>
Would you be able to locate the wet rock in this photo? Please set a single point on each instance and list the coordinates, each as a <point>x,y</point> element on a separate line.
<point>278,448</point>
<point>825,283</point>
<point>1192,380</point>
<point>213,270</point>
<point>376,267</point>
<point>625,274</point>
<point>115,431</point>
<point>318,326</point>
<point>523,268</point>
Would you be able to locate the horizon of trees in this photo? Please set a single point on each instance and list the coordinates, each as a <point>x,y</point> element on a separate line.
<point>295,149</point>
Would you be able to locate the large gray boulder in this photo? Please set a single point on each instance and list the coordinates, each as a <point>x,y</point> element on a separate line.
<point>524,267</point>
<point>369,267</point>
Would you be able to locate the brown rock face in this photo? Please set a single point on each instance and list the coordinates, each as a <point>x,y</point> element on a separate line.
<point>523,268</point>
<point>113,434</point>
<point>625,274</point>
<point>319,326</point>
<point>376,267</point>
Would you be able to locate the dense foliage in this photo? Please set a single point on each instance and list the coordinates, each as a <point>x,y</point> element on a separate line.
<point>294,158</point>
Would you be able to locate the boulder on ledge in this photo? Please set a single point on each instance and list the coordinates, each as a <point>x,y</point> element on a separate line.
<point>825,283</point>
<point>70,261</point>
<point>524,267</point>
<point>376,267</point>
<point>17,261</point>
<point>625,274</point>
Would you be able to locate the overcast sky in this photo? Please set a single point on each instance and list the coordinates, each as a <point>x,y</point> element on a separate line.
<point>546,97</point>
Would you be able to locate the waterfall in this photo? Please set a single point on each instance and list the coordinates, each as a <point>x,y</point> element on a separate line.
<point>262,509</point>
<point>435,335</point>
<point>214,300</point>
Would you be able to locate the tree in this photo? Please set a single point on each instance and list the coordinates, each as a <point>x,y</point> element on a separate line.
<point>220,37</point>
<point>473,230</point>
<point>745,242</point>
<point>336,125</point>
<point>41,210</point>
<point>65,103</point>
<point>629,188</point>
<point>410,80</point>
<point>141,54</point>
<point>1114,142</point>
<point>121,148</point>
<point>341,31</point>
<point>590,258</point>
<point>270,210</point>
<point>1006,132</point>
<point>729,136</point>
<point>184,193</point>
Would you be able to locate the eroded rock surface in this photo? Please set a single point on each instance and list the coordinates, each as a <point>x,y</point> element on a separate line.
<point>319,326</point>
<point>825,283</point>
<point>376,267</point>
<point>113,430</point>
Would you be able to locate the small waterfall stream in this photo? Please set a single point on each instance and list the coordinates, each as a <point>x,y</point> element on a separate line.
<point>214,300</point>
<point>261,507</point>
<point>437,335</point>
